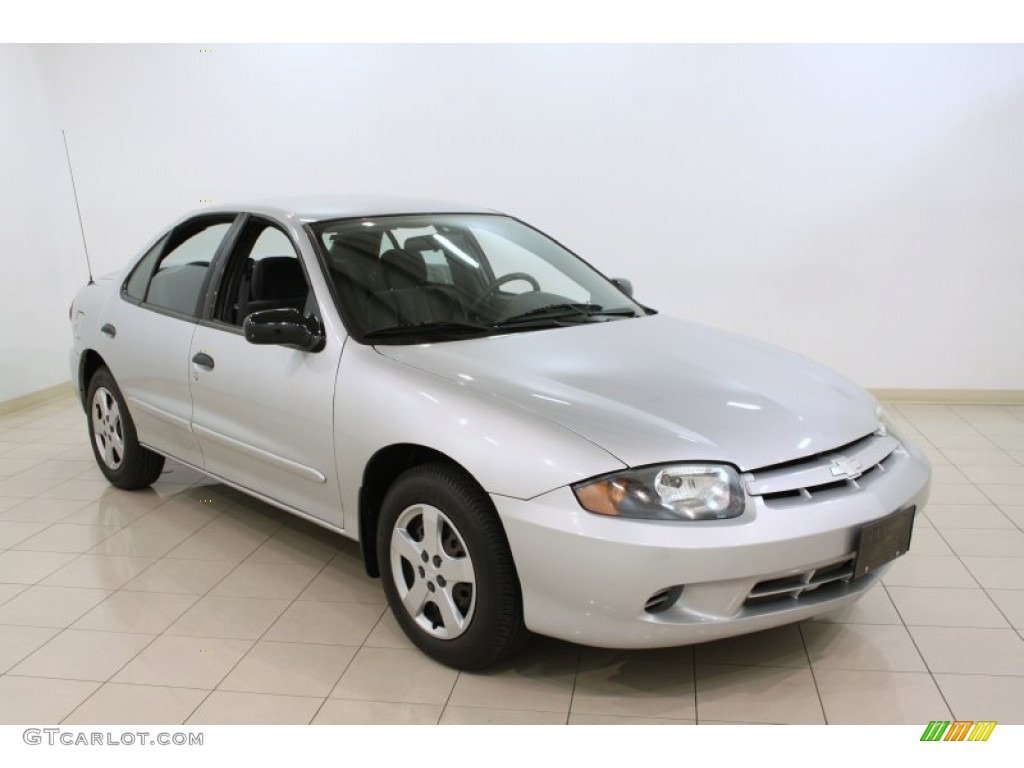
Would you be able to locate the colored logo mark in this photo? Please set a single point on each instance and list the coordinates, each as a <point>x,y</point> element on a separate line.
<point>958,730</point>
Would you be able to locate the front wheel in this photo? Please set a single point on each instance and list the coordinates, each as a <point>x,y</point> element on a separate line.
<point>124,462</point>
<point>447,569</point>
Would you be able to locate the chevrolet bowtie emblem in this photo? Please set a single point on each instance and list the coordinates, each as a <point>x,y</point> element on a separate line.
<point>845,468</point>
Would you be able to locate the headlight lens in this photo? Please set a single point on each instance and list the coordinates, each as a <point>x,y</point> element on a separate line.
<point>884,423</point>
<point>670,492</point>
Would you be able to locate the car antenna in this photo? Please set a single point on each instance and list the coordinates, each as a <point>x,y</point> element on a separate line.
<point>74,189</point>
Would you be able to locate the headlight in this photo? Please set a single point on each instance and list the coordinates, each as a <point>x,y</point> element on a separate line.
<point>670,492</point>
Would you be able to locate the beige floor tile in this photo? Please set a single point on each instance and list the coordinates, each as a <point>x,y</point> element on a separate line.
<point>1015,514</point>
<point>997,572</point>
<point>874,607</point>
<point>10,467</point>
<point>24,487</point>
<point>888,698</point>
<point>40,450</point>
<point>650,683</point>
<point>118,512</point>
<point>30,567</point>
<point>387,634</point>
<point>456,715</point>
<point>307,621</point>
<point>1003,475</point>
<point>18,642</point>
<point>275,580</point>
<point>1002,494</point>
<point>12,533</point>
<point>982,414</point>
<point>926,413</point>
<point>966,516</point>
<point>342,712</point>
<point>141,539</point>
<point>57,469</point>
<point>941,607</point>
<point>779,647</point>
<point>957,494</point>
<point>289,545</point>
<point>184,662</point>
<point>620,720</point>
<point>538,678</point>
<point>397,675</point>
<point>39,700</point>
<point>1011,603</point>
<point>929,542</point>
<point>986,543</point>
<point>971,651</point>
<point>98,571</point>
<point>243,618</point>
<point>861,647</point>
<point>138,612</point>
<point>294,669</point>
<point>191,577</point>
<point>965,441</point>
<point>86,490</point>
<point>229,708</point>
<point>344,580</point>
<point>83,655</point>
<point>928,571</point>
<point>120,704</point>
<point>7,591</point>
<point>757,694</point>
<point>64,538</point>
<point>222,539</point>
<point>50,606</point>
<point>990,458</point>
<point>7,503</point>
<point>946,474</point>
<point>41,510</point>
<point>982,697</point>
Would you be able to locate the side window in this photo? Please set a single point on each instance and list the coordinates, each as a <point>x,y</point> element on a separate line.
<point>264,273</point>
<point>179,277</point>
<point>135,285</point>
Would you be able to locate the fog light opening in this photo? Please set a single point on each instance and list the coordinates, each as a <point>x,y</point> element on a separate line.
<point>663,600</point>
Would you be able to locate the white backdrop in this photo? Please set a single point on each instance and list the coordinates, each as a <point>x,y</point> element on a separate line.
<point>860,204</point>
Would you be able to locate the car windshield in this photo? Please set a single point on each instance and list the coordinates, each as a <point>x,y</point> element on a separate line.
<point>403,279</point>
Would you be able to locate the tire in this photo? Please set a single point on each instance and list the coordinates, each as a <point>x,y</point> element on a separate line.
<point>121,459</point>
<point>447,569</point>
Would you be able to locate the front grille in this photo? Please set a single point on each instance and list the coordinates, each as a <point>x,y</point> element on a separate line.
<point>841,470</point>
<point>820,581</point>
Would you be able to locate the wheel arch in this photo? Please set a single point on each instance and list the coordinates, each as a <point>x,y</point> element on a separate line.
<point>381,471</point>
<point>89,362</point>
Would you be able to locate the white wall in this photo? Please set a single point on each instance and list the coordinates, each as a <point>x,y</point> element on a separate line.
<point>39,240</point>
<point>862,205</point>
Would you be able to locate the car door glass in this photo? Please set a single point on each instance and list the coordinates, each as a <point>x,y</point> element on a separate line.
<point>178,281</point>
<point>264,273</point>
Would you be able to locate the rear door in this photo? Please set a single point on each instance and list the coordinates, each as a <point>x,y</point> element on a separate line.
<point>263,414</point>
<point>147,333</point>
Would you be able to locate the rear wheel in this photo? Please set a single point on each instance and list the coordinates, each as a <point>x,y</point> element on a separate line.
<point>124,462</point>
<point>447,569</point>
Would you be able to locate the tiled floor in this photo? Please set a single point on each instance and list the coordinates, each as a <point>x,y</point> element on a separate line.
<point>193,603</point>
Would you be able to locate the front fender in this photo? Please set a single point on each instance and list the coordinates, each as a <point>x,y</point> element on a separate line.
<point>510,451</point>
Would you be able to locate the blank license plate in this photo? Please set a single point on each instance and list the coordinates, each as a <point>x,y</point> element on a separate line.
<point>883,541</point>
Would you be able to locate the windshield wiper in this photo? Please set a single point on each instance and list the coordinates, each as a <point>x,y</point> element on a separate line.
<point>566,312</point>
<point>437,328</point>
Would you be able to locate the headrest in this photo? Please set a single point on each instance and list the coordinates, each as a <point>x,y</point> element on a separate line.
<point>403,269</point>
<point>277,277</point>
<point>422,243</point>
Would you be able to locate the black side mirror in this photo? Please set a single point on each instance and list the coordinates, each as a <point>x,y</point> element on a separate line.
<point>624,285</point>
<point>287,327</point>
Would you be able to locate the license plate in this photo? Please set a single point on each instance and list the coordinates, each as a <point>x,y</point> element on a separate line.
<point>883,541</point>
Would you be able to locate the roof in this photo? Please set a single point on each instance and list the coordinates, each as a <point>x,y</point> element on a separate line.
<point>324,207</point>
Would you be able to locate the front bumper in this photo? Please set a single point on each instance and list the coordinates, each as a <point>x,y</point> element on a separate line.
<point>592,580</point>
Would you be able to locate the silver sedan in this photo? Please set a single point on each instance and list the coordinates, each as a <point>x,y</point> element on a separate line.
<point>517,443</point>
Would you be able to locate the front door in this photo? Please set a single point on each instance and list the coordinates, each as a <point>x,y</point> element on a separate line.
<point>263,414</point>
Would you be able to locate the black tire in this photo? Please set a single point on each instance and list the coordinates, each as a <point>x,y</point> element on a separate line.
<point>468,529</point>
<point>121,459</point>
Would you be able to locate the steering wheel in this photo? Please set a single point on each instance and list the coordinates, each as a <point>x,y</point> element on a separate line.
<point>510,277</point>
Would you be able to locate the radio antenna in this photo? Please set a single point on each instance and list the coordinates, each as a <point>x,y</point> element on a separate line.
<point>78,209</point>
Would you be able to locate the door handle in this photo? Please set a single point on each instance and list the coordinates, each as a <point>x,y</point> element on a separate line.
<point>108,330</point>
<point>203,360</point>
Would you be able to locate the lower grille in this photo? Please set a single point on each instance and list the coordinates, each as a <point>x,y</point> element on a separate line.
<point>663,600</point>
<point>831,577</point>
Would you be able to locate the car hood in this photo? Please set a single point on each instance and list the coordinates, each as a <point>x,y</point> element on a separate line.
<point>658,389</point>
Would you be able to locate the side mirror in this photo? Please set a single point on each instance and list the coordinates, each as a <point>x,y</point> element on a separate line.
<point>287,327</point>
<point>624,285</point>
